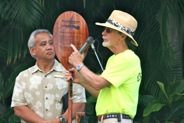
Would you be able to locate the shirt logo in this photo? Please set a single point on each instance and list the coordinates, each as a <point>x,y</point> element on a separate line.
<point>71,24</point>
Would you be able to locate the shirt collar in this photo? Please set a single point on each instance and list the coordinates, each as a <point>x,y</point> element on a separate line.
<point>56,67</point>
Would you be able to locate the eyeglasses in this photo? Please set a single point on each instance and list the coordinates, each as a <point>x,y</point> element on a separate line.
<point>108,30</point>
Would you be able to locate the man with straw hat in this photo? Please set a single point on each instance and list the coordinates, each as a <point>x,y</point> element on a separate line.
<point>117,87</point>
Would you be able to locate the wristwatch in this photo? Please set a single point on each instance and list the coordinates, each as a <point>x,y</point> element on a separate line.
<point>62,119</point>
<point>79,67</point>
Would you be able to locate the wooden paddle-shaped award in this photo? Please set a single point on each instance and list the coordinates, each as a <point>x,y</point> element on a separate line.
<point>69,28</point>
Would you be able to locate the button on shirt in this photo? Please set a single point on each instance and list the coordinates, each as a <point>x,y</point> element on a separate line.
<point>43,92</point>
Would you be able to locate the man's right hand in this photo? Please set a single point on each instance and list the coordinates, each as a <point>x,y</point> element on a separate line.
<point>73,74</point>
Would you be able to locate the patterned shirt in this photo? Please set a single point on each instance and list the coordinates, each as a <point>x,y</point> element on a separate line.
<point>43,92</point>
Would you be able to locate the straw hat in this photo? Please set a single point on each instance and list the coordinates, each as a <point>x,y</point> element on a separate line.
<point>122,22</point>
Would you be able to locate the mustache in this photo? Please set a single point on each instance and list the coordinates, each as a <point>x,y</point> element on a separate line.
<point>50,51</point>
<point>104,38</point>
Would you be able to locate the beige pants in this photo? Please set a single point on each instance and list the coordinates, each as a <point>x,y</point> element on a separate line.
<point>115,120</point>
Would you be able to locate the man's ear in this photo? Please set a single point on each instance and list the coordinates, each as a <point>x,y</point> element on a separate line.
<point>124,36</point>
<point>32,51</point>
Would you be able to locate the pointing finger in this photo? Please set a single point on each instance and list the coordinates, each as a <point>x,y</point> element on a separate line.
<point>74,48</point>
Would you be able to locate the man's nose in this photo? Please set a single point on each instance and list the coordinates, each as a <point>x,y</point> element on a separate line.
<point>49,46</point>
<point>104,32</point>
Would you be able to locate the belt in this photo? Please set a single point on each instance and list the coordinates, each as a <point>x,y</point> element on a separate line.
<point>118,116</point>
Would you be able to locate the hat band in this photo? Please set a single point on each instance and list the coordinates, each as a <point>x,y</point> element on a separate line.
<point>121,27</point>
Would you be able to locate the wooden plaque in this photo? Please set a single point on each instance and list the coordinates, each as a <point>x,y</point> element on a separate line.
<point>69,28</point>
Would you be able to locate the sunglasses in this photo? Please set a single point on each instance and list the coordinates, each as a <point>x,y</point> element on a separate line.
<point>108,30</point>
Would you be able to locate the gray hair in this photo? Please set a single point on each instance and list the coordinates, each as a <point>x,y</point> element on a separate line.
<point>32,41</point>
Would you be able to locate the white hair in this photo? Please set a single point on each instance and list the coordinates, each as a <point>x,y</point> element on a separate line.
<point>32,41</point>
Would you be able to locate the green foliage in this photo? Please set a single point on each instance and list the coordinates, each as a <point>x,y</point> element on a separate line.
<point>18,18</point>
<point>6,88</point>
<point>160,38</point>
<point>169,110</point>
<point>9,117</point>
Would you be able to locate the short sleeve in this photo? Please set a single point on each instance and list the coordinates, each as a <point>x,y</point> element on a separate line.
<point>18,96</point>
<point>79,94</point>
<point>120,68</point>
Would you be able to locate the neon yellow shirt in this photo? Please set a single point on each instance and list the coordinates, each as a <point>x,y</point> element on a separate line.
<point>123,71</point>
